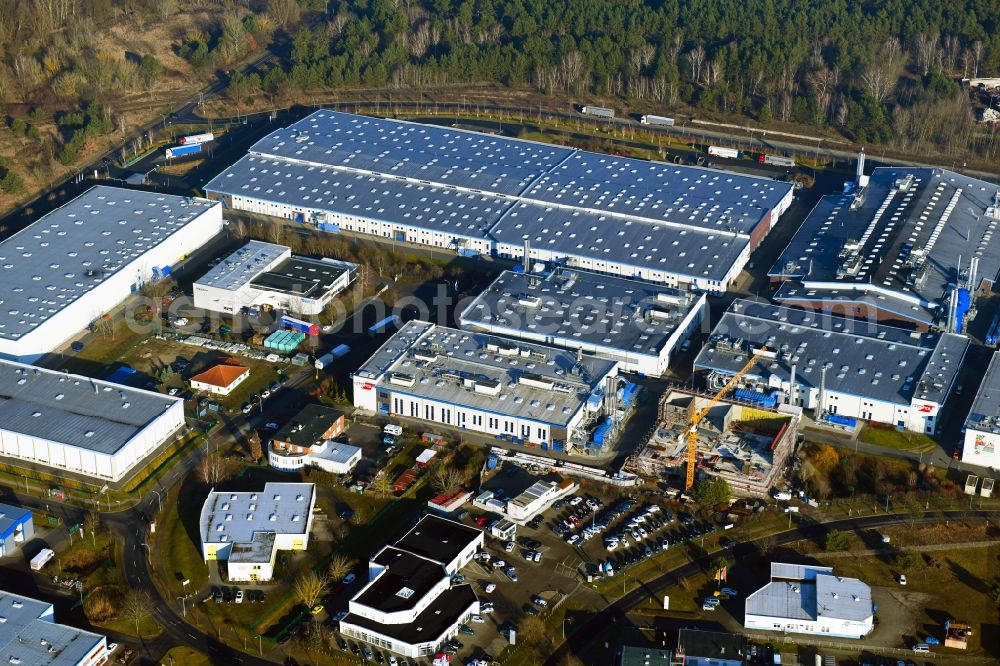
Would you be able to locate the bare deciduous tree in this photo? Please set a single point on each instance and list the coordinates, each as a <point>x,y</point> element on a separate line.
<point>448,479</point>
<point>696,59</point>
<point>340,565</point>
<point>212,470</point>
<point>310,587</point>
<point>977,54</point>
<point>924,52</point>
<point>92,523</point>
<point>136,606</point>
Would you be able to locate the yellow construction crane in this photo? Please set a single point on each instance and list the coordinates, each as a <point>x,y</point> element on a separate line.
<point>701,413</point>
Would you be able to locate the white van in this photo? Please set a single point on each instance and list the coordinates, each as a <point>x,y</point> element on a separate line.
<point>921,648</point>
<point>392,429</point>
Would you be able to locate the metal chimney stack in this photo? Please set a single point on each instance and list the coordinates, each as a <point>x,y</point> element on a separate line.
<point>973,274</point>
<point>952,307</point>
<point>527,255</point>
<point>859,174</point>
<point>822,391</point>
<point>792,393</point>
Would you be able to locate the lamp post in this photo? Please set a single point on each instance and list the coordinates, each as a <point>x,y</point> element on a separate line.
<point>159,502</point>
<point>260,645</point>
<point>183,605</point>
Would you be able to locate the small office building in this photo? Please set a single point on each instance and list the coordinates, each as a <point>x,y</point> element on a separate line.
<point>310,439</point>
<point>221,379</point>
<point>807,599</point>
<point>409,605</point>
<point>265,276</point>
<point>16,528</point>
<point>246,529</point>
<point>709,648</point>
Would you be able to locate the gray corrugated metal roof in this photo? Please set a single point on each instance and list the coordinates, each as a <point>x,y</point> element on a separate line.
<point>864,358</point>
<point>243,265</point>
<point>648,215</point>
<point>941,209</point>
<point>71,409</point>
<point>55,261</point>
<point>451,356</point>
<point>573,307</point>
<point>985,413</point>
<point>30,640</point>
<point>805,592</point>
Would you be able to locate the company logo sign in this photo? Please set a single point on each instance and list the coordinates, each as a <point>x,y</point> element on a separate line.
<point>368,386</point>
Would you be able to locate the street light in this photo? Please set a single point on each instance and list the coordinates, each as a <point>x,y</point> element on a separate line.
<point>183,605</point>
<point>159,502</point>
<point>260,646</point>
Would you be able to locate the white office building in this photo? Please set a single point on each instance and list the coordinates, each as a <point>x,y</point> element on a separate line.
<point>841,368</point>
<point>77,424</point>
<point>807,599</point>
<point>81,260</point>
<point>982,427</point>
<point>30,636</point>
<point>637,324</point>
<point>537,497</point>
<point>409,605</point>
<point>267,276</point>
<point>247,529</point>
<point>480,194</point>
<point>521,391</point>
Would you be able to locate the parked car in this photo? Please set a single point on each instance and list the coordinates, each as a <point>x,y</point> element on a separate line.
<point>538,601</point>
<point>340,616</point>
<point>478,619</point>
<point>239,597</point>
<point>490,587</point>
<point>350,578</point>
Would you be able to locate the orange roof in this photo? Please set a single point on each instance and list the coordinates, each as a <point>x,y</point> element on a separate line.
<point>221,375</point>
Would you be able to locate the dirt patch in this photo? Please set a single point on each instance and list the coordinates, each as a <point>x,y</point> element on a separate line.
<point>83,562</point>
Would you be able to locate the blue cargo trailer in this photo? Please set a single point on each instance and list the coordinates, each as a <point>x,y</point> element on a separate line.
<point>180,151</point>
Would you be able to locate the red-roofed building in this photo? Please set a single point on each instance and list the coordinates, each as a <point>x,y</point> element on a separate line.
<point>449,502</point>
<point>220,379</point>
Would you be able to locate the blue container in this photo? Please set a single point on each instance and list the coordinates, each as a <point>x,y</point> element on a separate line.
<point>518,268</point>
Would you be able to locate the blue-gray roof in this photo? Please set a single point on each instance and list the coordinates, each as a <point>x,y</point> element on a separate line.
<point>676,219</point>
<point>10,518</point>
<point>985,413</point>
<point>68,252</point>
<point>814,593</point>
<point>904,212</point>
<point>74,410</point>
<point>26,638</point>
<point>864,358</point>
<point>282,508</point>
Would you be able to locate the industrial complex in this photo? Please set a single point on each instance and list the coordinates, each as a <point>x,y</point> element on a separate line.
<point>908,246</point>
<point>476,194</point>
<point>77,424</point>
<point>639,325</point>
<point>840,368</point>
<point>29,634</point>
<point>265,276</point>
<point>520,391</point>
<point>81,260</point>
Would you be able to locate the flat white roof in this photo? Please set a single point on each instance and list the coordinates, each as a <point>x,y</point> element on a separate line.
<point>68,252</point>
<point>235,517</point>
<point>243,265</point>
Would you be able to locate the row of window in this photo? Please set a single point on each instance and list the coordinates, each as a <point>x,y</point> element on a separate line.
<point>459,418</point>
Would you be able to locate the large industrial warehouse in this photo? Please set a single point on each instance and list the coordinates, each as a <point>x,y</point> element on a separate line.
<point>520,391</point>
<point>638,324</point>
<point>265,275</point>
<point>84,258</point>
<point>76,424</point>
<point>982,427</point>
<point>894,247</point>
<point>835,366</point>
<point>480,194</point>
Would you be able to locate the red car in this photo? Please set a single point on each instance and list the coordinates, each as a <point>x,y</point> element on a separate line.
<point>481,520</point>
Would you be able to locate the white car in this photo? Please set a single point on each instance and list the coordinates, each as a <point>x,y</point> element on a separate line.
<point>575,501</point>
<point>478,619</point>
<point>486,607</point>
<point>902,579</point>
<point>573,538</point>
<point>181,321</point>
<point>490,587</point>
<point>536,556</point>
<point>173,390</point>
<point>653,508</point>
<point>112,647</point>
<point>508,547</point>
<point>392,661</point>
<point>499,564</point>
<point>265,394</point>
<point>611,545</point>
<point>239,596</point>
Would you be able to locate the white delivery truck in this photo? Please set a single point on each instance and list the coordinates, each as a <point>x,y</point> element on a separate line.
<point>43,557</point>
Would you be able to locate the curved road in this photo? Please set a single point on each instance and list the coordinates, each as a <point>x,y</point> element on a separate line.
<point>585,632</point>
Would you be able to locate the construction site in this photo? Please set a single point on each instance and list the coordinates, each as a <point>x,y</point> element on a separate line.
<point>747,445</point>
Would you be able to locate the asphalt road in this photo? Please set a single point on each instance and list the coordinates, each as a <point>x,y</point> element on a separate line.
<point>615,613</point>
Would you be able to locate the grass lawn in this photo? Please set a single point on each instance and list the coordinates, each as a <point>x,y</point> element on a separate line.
<point>903,440</point>
<point>185,656</point>
<point>176,556</point>
<point>148,627</point>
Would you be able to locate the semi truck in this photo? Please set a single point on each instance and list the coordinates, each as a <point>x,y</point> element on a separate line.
<point>598,111</point>
<point>195,139</point>
<point>298,325</point>
<point>776,160</point>
<point>328,358</point>
<point>656,120</point>
<point>180,151</point>
<point>43,557</point>
<point>718,151</point>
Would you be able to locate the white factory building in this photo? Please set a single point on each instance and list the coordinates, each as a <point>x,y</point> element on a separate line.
<point>839,368</point>
<point>982,427</point>
<point>480,194</point>
<point>639,325</point>
<point>520,391</point>
<point>409,605</point>
<point>538,497</point>
<point>30,636</point>
<point>79,261</point>
<point>807,599</point>
<point>267,276</point>
<point>71,423</point>
<point>247,529</point>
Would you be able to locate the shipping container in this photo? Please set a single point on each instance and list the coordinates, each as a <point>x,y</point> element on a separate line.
<point>299,325</point>
<point>718,151</point>
<point>431,437</point>
<point>196,139</point>
<point>656,120</point>
<point>598,111</point>
<point>405,480</point>
<point>382,326</point>
<point>180,151</point>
